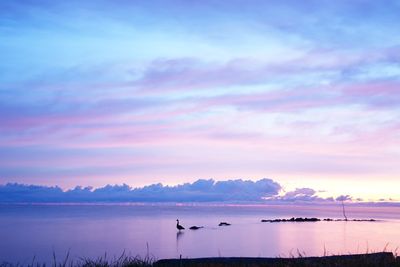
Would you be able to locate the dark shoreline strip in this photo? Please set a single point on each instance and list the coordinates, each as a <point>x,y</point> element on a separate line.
<point>381,259</point>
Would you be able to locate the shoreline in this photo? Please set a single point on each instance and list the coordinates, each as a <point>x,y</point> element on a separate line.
<point>378,259</point>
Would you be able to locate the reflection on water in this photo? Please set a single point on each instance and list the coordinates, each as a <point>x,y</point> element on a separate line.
<point>179,235</point>
<point>92,230</point>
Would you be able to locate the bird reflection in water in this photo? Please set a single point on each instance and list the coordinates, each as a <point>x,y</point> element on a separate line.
<point>179,235</point>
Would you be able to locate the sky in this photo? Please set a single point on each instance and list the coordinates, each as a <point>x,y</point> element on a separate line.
<point>141,92</point>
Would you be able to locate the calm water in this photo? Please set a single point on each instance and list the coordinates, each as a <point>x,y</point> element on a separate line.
<point>92,230</point>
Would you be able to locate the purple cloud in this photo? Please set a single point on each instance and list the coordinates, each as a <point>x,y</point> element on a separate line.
<point>202,190</point>
<point>199,191</point>
<point>344,198</point>
<point>301,195</point>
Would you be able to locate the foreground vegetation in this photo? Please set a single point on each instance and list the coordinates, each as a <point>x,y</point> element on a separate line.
<point>382,259</point>
<point>365,260</point>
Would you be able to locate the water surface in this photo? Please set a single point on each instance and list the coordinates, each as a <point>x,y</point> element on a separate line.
<point>93,230</point>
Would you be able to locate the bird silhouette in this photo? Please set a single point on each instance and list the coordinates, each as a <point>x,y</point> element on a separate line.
<point>178,226</point>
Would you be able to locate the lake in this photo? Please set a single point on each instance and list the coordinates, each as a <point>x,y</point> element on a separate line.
<point>149,229</point>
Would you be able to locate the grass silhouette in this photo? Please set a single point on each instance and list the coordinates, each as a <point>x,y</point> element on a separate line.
<point>379,259</point>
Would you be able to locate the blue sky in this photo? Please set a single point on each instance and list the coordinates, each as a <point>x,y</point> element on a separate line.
<point>140,92</point>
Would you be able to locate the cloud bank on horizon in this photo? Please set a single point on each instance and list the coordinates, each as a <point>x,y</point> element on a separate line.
<point>202,190</point>
<point>99,92</point>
